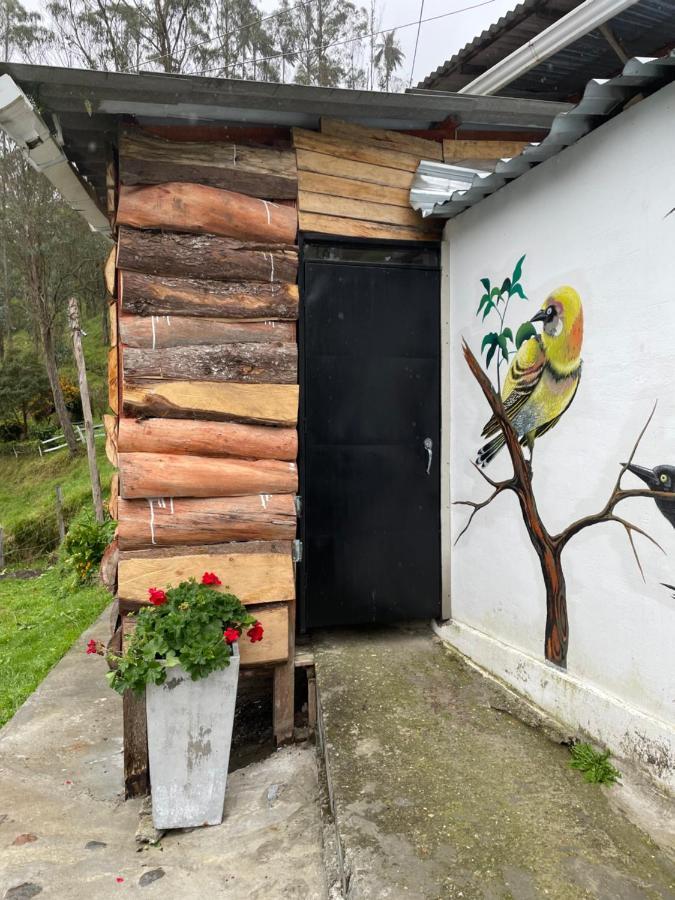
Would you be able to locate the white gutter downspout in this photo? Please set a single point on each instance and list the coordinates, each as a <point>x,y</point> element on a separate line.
<point>24,126</point>
<point>577,23</point>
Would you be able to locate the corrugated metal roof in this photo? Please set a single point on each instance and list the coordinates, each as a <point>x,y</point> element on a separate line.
<point>445,190</point>
<point>645,29</point>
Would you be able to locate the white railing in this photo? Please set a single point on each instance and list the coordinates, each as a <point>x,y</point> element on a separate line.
<point>79,432</point>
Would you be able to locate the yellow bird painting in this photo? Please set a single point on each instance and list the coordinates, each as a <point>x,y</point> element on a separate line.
<point>543,376</point>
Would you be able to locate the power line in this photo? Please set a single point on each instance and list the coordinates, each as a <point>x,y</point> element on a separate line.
<point>222,34</point>
<point>351,40</point>
<point>417,40</point>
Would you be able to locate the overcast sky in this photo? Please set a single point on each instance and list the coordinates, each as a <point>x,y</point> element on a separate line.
<point>438,40</point>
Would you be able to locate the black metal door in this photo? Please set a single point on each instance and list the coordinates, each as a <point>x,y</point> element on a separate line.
<point>370,344</point>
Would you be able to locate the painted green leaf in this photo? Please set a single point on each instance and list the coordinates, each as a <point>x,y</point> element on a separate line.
<point>488,306</point>
<point>490,340</point>
<point>506,286</point>
<point>518,270</point>
<point>503,344</point>
<point>508,334</point>
<point>486,284</point>
<point>524,333</point>
<point>483,300</point>
<point>490,354</point>
<point>495,292</point>
<point>517,289</point>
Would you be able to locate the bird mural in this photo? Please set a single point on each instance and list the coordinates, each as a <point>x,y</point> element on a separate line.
<point>544,375</point>
<point>661,479</point>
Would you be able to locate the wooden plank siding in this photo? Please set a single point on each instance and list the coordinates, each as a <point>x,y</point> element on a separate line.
<point>355,182</point>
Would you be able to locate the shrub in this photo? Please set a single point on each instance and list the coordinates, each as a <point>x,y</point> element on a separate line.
<point>85,544</point>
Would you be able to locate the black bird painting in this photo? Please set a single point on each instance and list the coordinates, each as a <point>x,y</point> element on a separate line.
<point>662,479</point>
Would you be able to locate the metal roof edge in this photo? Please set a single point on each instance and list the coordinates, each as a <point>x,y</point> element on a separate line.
<point>445,191</point>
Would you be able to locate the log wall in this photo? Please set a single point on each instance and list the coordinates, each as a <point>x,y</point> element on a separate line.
<point>203,375</point>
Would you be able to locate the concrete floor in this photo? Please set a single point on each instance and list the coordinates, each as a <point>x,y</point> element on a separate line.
<point>439,791</point>
<point>65,831</point>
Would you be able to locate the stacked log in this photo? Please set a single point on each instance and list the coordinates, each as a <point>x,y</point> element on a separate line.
<point>203,376</point>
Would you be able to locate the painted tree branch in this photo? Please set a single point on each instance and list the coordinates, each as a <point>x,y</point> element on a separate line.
<point>549,547</point>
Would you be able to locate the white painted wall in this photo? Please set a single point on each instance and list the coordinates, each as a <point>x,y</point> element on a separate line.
<point>594,217</point>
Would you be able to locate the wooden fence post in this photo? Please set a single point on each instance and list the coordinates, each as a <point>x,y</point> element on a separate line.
<point>74,317</point>
<point>59,514</point>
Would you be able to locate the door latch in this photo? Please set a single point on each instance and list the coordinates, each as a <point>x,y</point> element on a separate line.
<point>429,447</point>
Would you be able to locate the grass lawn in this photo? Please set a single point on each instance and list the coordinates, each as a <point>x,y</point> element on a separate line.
<point>27,491</point>
<point>37,627</point>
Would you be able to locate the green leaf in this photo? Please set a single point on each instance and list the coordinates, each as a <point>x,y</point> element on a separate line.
<point>503,343</point>
<point>507,333</point>
<point>518,270</point>
<point>495,292</point>
<point>491,353</point>
<point>489,340</point>
<point>483,300</point>
<point>524,333</point>
<point>486,284</point>
<point>489,306</point>
<point>506,286</point>
<point>517,289</point>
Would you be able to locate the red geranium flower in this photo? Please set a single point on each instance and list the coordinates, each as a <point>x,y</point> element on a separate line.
<point>156,596</point>
<point>255,632</point>
<point>231,635</point>
<point>92,647</point>
<point>210,578</point>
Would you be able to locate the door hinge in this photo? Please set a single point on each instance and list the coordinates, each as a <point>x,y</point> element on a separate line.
<point>297,551</point>
<point>298,505</point>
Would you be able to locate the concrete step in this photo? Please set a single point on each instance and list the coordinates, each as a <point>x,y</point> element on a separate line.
<point>439,790</point>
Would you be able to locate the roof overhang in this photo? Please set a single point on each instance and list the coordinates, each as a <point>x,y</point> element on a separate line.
<point>86,107</point>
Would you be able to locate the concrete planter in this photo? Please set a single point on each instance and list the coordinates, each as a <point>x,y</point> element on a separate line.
<point>189,737</point>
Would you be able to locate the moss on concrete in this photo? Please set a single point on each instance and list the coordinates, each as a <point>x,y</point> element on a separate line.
<point>439,795</point>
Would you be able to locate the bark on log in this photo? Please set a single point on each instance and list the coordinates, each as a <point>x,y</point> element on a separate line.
<point>108,570</point>
<point>206,256</point>
<point>154,524</point>
<point>257,171</point>
<point>258,404</point>
<point>253,577</point>
<point>148,295</point>
<point>151,475</point>
<point>275,363</point>
<point>205,439</point>
<point>200,209</point>
<point>268,187</point>
<point>160,332</point>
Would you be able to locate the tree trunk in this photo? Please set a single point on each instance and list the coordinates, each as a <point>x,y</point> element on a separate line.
<point>242,363</point>
<point>557,627</point>
<point>54,383</point>
<point>160,332</point>
<point>205,210</point>
<point>148,295</point>
<point>177,475</point>
<point>167,523</point>
<point>206,256</point>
